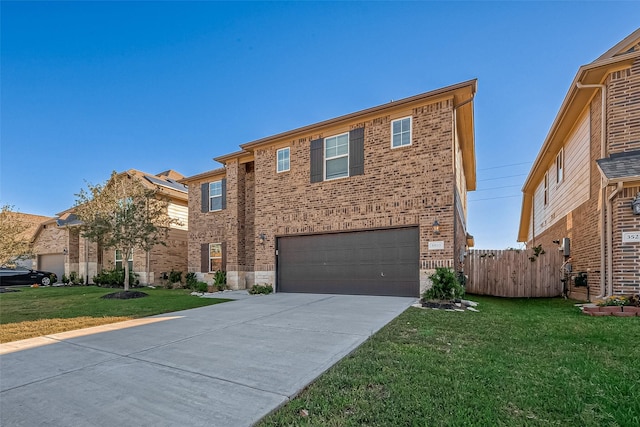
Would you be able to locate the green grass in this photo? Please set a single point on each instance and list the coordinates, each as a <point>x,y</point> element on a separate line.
<point>518,362</point>
<point>70,302</point>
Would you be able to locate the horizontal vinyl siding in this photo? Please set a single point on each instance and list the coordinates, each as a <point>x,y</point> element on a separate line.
<point>180,213</point>
<point>574,189</point>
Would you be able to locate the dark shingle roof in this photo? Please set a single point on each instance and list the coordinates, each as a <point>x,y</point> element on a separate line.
<point>167,182</point>
<point>621,166</point>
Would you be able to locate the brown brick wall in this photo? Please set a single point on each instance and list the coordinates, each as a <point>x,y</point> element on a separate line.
<point>626,256</point>
<point>50,240</point>
<point>165,258</point>
<point>404,186</point>
<point>623,112</point>
<point>208,227</point>
<point>408,186</point>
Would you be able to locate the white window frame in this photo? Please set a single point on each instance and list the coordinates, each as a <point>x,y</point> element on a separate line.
<point>211,258</point>
<point>119,260</point>
<point>546,188</point>
<point>214,196</point>
<point>326,159</point>
<point>410,131</point>
<point>280,162</point>
<point>560,166</point>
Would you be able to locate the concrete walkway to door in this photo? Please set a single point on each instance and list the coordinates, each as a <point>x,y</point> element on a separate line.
<point>223,365</point>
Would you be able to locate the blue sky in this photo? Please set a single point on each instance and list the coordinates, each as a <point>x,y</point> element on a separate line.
<point>91,87</point>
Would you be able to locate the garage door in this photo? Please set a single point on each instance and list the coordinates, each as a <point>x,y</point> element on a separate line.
<point>376,262</point>
<point>53,263</point>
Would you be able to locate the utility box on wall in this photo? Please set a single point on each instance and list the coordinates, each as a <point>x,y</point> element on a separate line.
<point>566,247</point>
<point>580,280</point>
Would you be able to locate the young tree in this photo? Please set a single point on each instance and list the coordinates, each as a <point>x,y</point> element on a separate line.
<point>123,214</point>
<point>14,241</point>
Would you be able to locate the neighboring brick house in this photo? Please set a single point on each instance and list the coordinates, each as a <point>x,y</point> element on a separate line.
<point>59,245</point>
<point>587,175</point>
<point>367,203</point>
<point>31,223</point>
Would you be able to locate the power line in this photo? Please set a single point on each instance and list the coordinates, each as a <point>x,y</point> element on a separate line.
<point>494,198</point>
<point>504,166</point>
<point>497,188</point>
<point>501,177</point>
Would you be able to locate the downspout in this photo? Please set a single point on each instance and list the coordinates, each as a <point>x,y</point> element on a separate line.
<point>603,190</point>
<point>610,238</point>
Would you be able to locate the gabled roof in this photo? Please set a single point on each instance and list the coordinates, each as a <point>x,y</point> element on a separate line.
<point>620,57</point>
<point>161,182</point>
<point>621,167</point>
<point>165,182</point>
<point>31,222</point>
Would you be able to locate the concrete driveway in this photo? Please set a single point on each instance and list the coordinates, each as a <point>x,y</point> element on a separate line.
<point>223,365</point>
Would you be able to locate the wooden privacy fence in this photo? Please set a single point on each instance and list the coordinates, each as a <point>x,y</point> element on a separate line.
<point>514,273</point>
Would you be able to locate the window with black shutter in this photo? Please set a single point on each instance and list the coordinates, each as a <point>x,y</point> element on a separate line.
<point>331,159</point>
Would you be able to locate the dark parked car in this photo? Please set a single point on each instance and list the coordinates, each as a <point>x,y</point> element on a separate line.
<point>23,276</point>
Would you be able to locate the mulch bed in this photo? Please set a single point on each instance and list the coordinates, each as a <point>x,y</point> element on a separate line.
<point>125,295</point>
<point>3,290</point>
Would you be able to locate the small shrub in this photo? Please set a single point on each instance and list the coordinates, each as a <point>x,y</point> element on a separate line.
<point>220,280</point>
<point>191,281</point>
<point>445,286</point>
<point>65,279</point>
<point>74,279</point>
<point>175,276</point>
<point>201,287</point>
<point>114,278</point>
<point>261,289</point>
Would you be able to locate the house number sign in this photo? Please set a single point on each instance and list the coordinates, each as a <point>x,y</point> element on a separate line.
<point>439,245</point>
<point>631,237</point>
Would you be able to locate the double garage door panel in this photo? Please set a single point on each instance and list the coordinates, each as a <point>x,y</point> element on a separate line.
<point>376,262</point>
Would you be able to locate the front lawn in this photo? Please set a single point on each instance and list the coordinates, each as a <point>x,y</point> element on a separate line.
<point>519,362</point>
<point>37,311</point>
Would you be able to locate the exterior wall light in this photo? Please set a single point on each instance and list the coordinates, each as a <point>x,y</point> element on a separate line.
<point>261,238</point>
<point>436,227</point>
<point>635,204</point>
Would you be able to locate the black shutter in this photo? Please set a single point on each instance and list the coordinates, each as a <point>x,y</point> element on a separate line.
<point>204,191</point>
<point>317,160</point>
<point>356,152</point>
<point>204,258</point>
<point>224,256</point>
<point>224,193</point>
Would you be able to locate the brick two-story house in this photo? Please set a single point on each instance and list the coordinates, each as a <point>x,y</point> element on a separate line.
<point>587,175</point>
<point>367,203</point>
<point>59,246</point>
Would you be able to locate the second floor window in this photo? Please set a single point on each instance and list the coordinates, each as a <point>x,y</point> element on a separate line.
<point>401,132</point>
<point>215,196</point>
<point>283,159</point>
<point>336,156</point>
<point>560,166</point>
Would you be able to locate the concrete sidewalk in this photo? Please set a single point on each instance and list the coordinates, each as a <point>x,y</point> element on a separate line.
<point>223,365</point>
